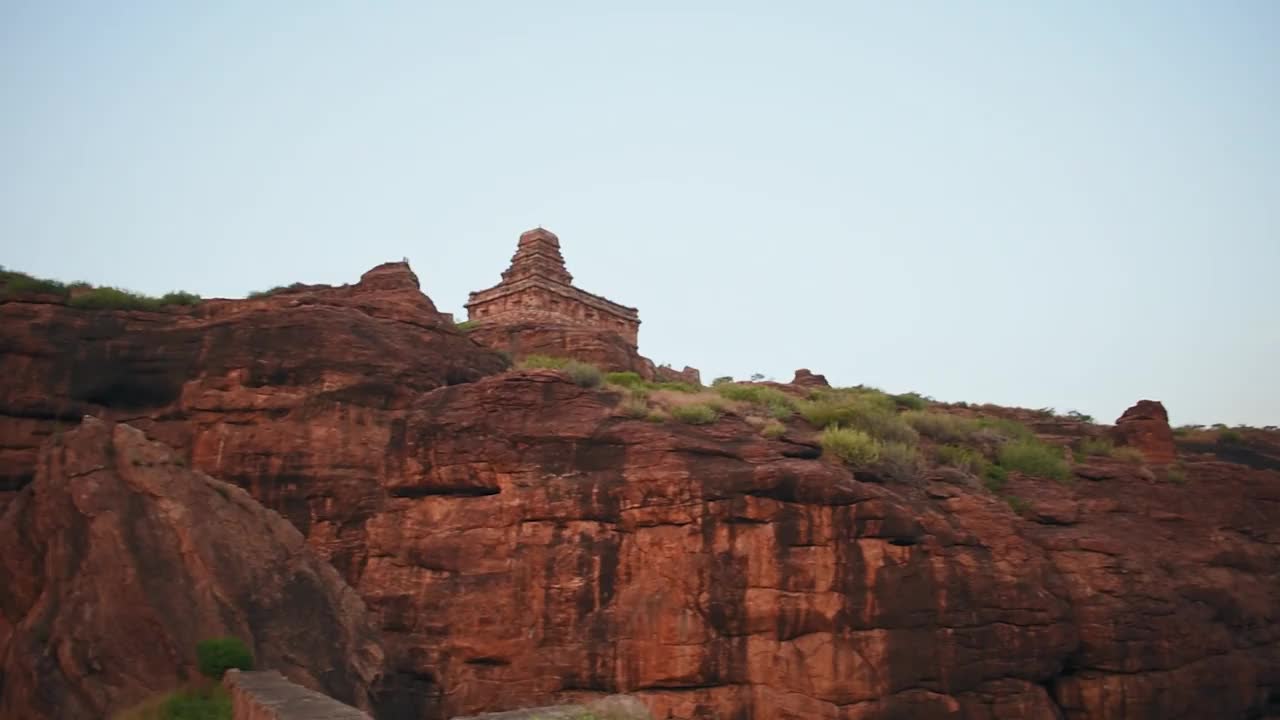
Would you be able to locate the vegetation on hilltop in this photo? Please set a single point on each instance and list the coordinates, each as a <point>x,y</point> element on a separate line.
<point>86,296</point>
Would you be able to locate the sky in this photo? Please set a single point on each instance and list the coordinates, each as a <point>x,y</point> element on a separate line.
<point>1064,204</point>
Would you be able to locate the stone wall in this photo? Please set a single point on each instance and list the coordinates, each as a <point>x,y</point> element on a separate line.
<point>267,695</point>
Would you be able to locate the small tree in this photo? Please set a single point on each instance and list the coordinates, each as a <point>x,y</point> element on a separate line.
<point>218,655</point>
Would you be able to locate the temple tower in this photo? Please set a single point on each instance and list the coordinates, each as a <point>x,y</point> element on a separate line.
<point>537,288</point>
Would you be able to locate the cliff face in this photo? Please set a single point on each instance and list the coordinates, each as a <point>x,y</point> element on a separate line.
<point>520,541</point>
<point>118,561</point>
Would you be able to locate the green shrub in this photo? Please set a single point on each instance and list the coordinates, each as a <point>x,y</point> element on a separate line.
<point>872,413</point>
<point>1176,474</point>
<point>1096,446</point>
<point>777,403</point>
<point>1230,437</point>
<point>277,289</point>
<point>218,655</point>
<point>635,407</point>
<point>465,325</point>
<point>179,297</point>
<point>910,401</point>
<point>658,415</point>
<point>1006,429</point>
<point>625,379</point>
<point>534,362</point>
<point>995,478</point>
<point>1129,455</point>
<point>961,458</point>
<point>109,298</point>
<point>853,447</point>
<point>941,427</point>
<point>721,380</point>
<point>1079,416</point>
<point>1032,457</point>
<point>683,387</point>
<point>899,461</point>
<point>211,704</point>
<point>773,429</point>
<point>695,413</point>
<point>21,283</point>
<point>583,374</point>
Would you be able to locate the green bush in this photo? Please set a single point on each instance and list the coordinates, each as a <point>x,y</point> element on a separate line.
<point>910,401</point>
<point>21,283</point>
<point>1230,437</point>
<point>465,325</point>
<point>277,289</point>
<point>583,374</point>
<point>773,429</point>
<point>722,380</point>
<point>941,427</point>
<point>695,413</point>
<point>853,447</point>
<point>995,478</point>
<point>1096,446</point>
<point>625,379</point>
<point>635,407</point>
<point>899,461</point>
<point>1032,457</point>
<point>872,413</point>
<point>1006,429</point>
<point>683,387</point>
<point>179,297</point>
<point>961,458</point>
<point>213,704</point>
<point>1079,416</point>
<point>1129,455</point>
<point>777,403</point>
<point>218,655</point>
<point>109,298</point>
<point>533,362</point>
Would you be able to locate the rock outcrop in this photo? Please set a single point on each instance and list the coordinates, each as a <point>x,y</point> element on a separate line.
<point>118,561</point>
<point>806,379</point>
<point>666,373</point>
<point>362,352</point>
<point>1145,426</point>
<point>520,541</point>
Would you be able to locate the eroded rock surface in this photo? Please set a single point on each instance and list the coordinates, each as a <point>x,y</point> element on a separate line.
<point>1145,426</point>
<point>118,561</point>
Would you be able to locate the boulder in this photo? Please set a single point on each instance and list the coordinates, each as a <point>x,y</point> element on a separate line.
<point>807,379</point>
<point>118,560</point>
<point>1145,426</point>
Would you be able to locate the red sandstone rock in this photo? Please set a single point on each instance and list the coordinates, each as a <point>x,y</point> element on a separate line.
<point>118,560</point>
<point>1145,426</point>
<point>522,543</point>
<point>807,379</point>
<point>665,373</point>
<point>604,349</point>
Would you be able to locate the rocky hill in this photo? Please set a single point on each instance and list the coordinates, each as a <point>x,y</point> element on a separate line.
<point>527,536</point>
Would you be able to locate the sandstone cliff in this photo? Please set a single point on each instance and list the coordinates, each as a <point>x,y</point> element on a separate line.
<point>118,560</point>
<point>521,541</point>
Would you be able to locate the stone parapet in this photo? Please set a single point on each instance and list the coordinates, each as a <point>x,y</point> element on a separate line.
<point>267,695</point>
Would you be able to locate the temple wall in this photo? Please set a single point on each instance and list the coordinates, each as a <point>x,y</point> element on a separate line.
<point>539,305</point>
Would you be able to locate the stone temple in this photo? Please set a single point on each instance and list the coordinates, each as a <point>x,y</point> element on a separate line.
<point>538,289</point>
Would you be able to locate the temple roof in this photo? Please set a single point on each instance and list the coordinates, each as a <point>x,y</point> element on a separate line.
<point>538,254</point>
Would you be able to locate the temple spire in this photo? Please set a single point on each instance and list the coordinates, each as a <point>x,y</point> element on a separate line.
<point>538,254</point>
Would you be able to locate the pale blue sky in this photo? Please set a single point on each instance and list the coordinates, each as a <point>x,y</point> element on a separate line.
<point>1070,204</point>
